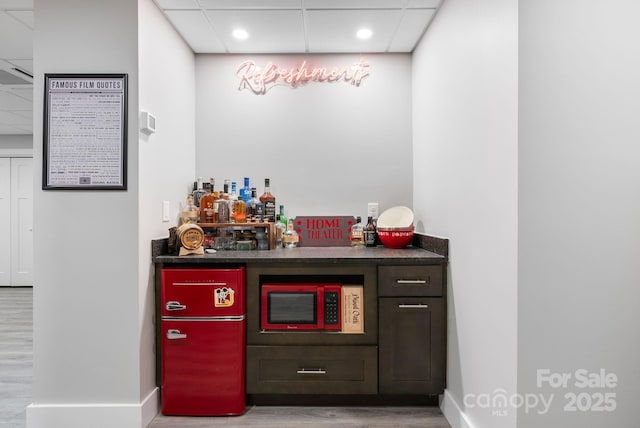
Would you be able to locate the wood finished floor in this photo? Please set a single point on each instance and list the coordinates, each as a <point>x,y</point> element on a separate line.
<point>16,371</point>
<point>16,355</point>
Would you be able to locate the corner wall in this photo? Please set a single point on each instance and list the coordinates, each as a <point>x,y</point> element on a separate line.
<point>167,157</point>
<point>86,293</point>
<point>579,205</point>
<point>465,105</point>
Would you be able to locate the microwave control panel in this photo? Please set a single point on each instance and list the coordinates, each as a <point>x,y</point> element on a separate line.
<point>331,304</point>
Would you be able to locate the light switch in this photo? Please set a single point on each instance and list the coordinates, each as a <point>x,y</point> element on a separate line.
<point>166,210</point>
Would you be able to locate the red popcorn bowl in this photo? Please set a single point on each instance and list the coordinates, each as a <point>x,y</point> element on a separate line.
<point>396,237</point>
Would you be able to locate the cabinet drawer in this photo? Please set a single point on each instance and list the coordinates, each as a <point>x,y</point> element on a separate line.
<point>312,369</point>
<point>410,280</point>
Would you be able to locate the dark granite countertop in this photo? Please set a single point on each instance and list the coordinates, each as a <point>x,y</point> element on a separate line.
<point>311,255</point>
<point>425,249</point>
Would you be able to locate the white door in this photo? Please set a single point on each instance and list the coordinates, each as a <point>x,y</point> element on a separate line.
<point>21,221</point>
<point>5,221</point>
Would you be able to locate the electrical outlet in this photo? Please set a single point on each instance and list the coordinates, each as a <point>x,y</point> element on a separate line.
<point>166,210</point>
<point>372,209</point>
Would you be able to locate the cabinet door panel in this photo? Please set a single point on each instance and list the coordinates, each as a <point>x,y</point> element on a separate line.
<point>5,221</point>
<point>411,345</point>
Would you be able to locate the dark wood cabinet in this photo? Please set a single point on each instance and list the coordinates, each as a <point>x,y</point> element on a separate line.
<point>411,345</point>
<point>411,329</point>
<point>400,353</point>
<point>312,369</point>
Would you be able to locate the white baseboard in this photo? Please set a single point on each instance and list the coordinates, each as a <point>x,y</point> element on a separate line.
<point>85,415</point>
<point>453,412</point>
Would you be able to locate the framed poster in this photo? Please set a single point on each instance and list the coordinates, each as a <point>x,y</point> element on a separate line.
<point>85,132</point>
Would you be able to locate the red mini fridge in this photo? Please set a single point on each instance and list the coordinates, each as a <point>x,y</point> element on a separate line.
<point>203,342</point>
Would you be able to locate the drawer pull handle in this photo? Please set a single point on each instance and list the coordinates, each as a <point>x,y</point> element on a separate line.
<point>411,281</point>
<point>175,334</point>
<point>175,306</point>
<point>413,306</point>
<point>312,371</point>
<point>201,283</point>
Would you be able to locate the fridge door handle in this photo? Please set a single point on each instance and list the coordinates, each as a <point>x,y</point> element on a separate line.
<point>175,306</point>
<point>175,334</point>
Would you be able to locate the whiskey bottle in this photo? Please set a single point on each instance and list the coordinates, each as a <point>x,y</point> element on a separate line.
<point>370,233</point>
<point>239,211</point>
<point>290,238</point>
<point>251,205</point>
<point>207,205</point>
<point>357,234</point>
<point>269,202</point>
<point>233,198</point>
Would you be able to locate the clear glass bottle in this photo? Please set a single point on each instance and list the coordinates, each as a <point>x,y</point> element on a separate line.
<point>290,238</point>
<point>279,229</point>
<point>189,212</point>
<point>269,202</point>
<point>224,213</point>
<point>370,233</point>
<point>356,234</point>
<point>198,193</point>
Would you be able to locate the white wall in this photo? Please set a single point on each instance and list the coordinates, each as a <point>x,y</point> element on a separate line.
<point>579,204</point>
<point>167,158</point>
<point>329,149</point>
<point>465,179</point>
<point>86,293</point>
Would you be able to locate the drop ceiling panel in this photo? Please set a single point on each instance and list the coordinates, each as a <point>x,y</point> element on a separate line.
<point>251,4</point>
<point>16,4</point>
<point>8,118</point>
<point>414,22</point>
<point>9,101</point>
<point>423,4</point>
<point>334,30</point>
<point>270,31</point>
<point>196,30</point>
<point>354,4</point>
<point>24,16</point>
<point>16,40</point>
<point>178,4</point>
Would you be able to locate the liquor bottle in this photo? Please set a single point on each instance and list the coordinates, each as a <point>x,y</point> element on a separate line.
<point>280,228</point>
<point>189,212</point>
<point>245,191</point>
<point>269,202</point>
<point>198,193</point>
<point>370,233</point>
<point>283,218</point>
<point>233,198</point>
<point>239,211</point>
<point>357,234</point>
<point>290,238</point>
<point>251,205</point>
<point>207,203</point>
<point>224,213</point>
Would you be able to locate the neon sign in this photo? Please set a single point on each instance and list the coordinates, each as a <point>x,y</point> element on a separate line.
<point>261,79</point>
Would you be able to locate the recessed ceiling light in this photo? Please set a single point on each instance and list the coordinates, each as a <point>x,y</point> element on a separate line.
<point>240,34</point>
<point>364,34</point>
